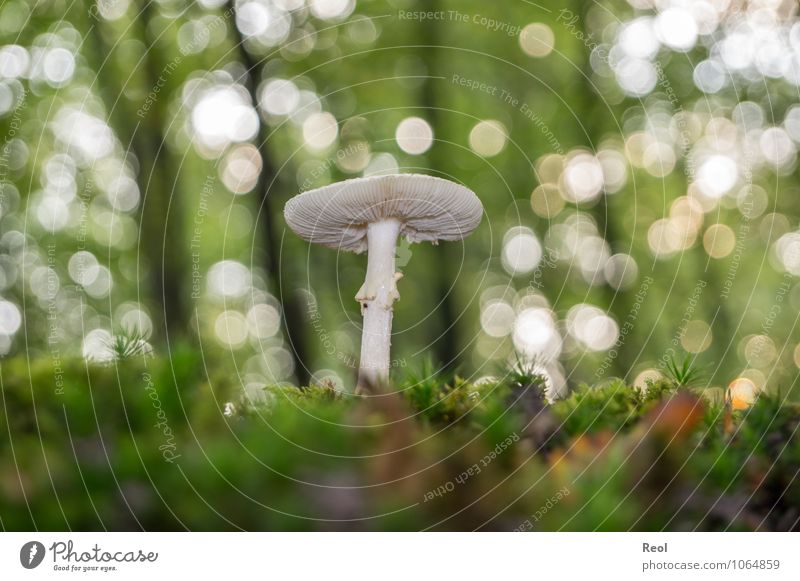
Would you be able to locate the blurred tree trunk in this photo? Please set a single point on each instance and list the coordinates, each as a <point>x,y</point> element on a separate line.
<point>294,319</point>
<point>164,239</point>
<point>157,178</point>
<point>719,319</point>
<point>446,346</point>
<point>590,113</point>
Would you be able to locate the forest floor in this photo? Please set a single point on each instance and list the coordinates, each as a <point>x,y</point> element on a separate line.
<point>165,444</point>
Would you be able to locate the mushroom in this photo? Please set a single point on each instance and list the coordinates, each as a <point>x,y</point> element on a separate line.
<point>370,214</point>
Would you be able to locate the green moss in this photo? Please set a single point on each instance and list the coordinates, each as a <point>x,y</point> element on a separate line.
<point>91,454</point>
<point>611,406</point>
<point>440,400</point>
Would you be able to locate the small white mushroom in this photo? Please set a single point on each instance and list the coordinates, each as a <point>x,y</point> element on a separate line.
<point>370,214</point>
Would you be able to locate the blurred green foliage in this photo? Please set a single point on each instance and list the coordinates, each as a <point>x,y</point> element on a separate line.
<point>143,74</point>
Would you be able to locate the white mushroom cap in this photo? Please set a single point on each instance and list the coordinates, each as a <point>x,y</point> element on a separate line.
<point>428,209</point>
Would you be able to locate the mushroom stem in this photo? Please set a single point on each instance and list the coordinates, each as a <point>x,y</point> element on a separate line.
<point>377,296</point>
